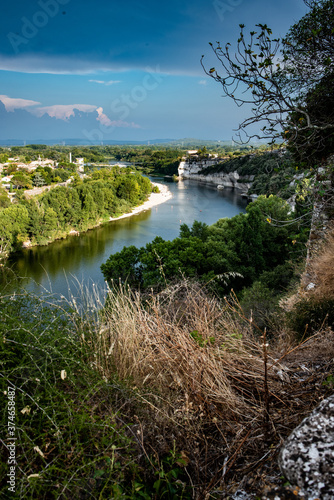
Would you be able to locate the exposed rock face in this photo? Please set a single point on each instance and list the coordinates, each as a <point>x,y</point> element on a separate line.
<point>192,170</point>
<point>307,457</point>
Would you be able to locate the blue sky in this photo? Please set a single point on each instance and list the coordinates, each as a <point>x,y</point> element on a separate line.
<point>126,70</point>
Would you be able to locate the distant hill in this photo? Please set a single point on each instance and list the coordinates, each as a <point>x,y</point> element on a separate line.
<point>186,142</point>
<point>79,142</point>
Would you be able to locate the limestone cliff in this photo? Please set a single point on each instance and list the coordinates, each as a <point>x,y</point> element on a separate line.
<point>189,169</point>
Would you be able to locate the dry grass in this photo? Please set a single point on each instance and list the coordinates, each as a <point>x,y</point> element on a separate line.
<point>323,269</point>
<point>205,380</point>
<point>182,342</point>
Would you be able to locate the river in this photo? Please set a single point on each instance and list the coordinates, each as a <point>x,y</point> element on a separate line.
<point>59,267</point>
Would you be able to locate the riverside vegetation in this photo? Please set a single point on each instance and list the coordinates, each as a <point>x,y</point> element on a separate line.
<point>178,386</point>
<point>83,204</point>
<point>175,387</point>
<point>157,394</point>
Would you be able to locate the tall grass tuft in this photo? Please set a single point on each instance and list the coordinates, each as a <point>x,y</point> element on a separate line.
<point>181,342</point>
<point>169,395</point>
<point>323,269</point>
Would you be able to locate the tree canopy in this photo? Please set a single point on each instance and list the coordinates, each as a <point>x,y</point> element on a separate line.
<point>232,252</point>
<point>288,81</point>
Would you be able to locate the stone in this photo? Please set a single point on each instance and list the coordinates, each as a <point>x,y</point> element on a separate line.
<point>307,457</point>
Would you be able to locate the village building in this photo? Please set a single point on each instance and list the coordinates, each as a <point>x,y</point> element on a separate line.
<point>42,163</point>
<point>81,164</point>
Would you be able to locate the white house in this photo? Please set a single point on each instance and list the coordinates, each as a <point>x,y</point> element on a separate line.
<point>42,163</point>
<point>81,164</point>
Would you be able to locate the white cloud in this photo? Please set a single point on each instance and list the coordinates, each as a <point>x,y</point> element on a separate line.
<point>66,65</point>
<point>112,82</point>
<point>64,111</point>
<point>11,103</point>
<point>103,82</point>
<point>103,118</point>
<point>96,81</point>
<point>202,82</point>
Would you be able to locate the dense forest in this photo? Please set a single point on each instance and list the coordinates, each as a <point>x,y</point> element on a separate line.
<point>78,206</point>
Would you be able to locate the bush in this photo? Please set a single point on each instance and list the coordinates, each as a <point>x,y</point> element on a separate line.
<point>309,315</point>
<point>259,302</point>
<point>279,279</point>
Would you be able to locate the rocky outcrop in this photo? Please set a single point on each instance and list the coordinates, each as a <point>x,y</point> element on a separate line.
<point>192,170</point>
<point>307,457</point>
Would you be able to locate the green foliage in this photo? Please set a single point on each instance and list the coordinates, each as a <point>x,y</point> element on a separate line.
<point>199,339</point>
<point>259,303</point>
<point>247,244</point>
<point>4,199</point>
<point>14,222</point>
<point>38,180</point>
<point>79,206</point>
<point>312,145</point>
<point>171,478</point>
<point>279,278</point>
<point>329,381</point>
<point>309,315</point>
<point>309,42</point>
<point>71,436</point>
<point>22,180</point>
<point>271,172</point>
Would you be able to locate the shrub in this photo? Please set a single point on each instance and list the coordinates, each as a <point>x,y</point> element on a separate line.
<point>279,278</point>
<point>310,315</point>
<point>259,302</point>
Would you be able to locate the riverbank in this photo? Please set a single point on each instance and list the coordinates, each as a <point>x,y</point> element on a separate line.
<point>153,200</point>
<point>81,255</point>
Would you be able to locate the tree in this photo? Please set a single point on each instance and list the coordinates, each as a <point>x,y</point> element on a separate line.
<point>311,144</point>
<point>14,222</point>
<point>38,180</point>
<point>22,180</point>
<point>124,266</point>
<point>128,189</point>
<point>282,78</point>
<point>247,243</point>
<point>4,199</point>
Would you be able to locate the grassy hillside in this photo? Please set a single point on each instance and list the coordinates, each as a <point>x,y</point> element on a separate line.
<point>175,394</point>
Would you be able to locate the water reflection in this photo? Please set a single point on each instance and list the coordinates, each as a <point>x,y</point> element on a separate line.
<point>79,257</point>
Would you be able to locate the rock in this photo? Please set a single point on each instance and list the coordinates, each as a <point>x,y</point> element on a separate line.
<point>307,457</point>
<point>241,495</point>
